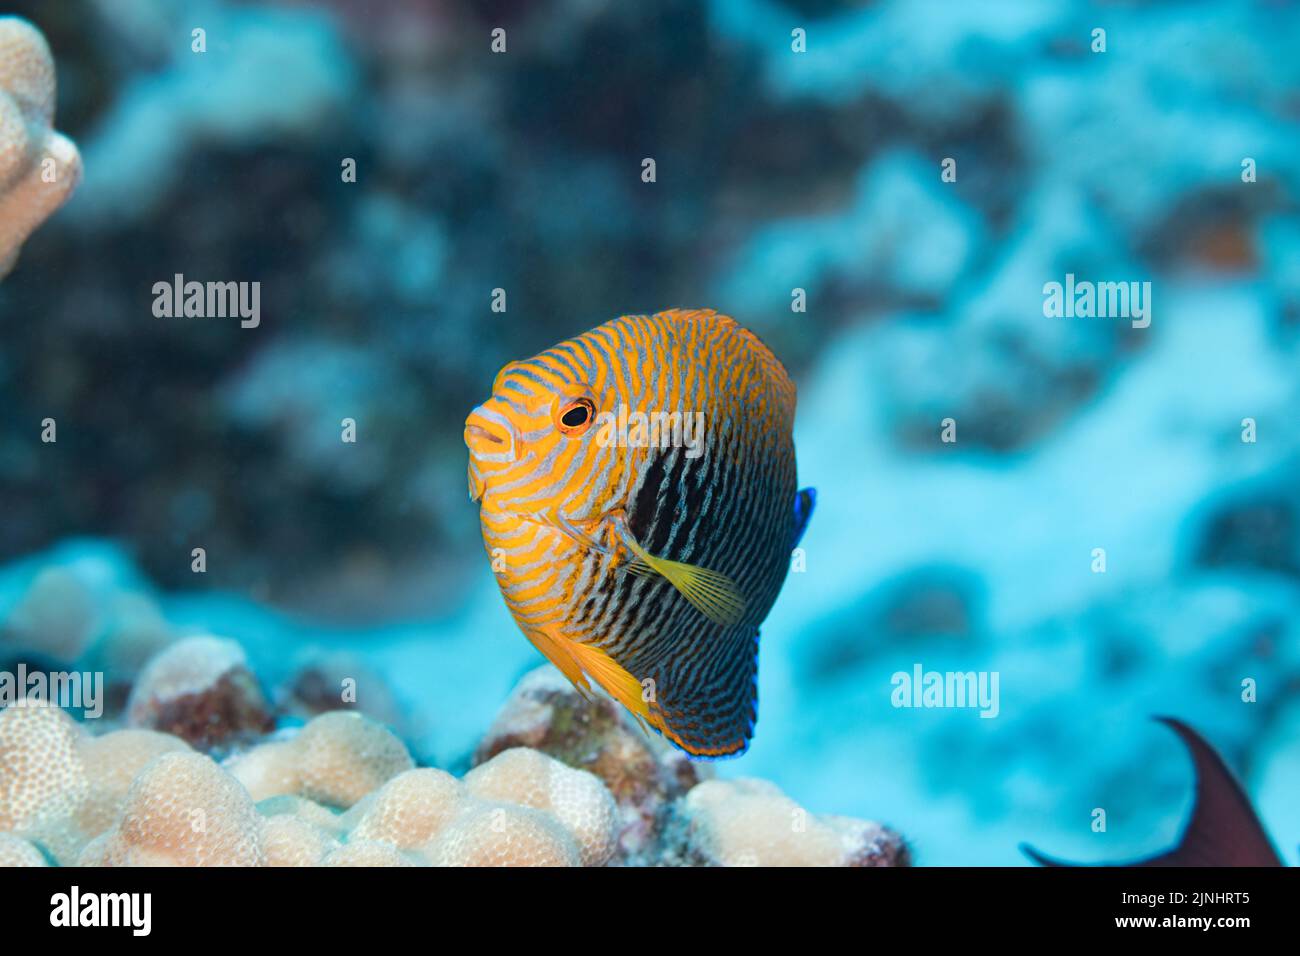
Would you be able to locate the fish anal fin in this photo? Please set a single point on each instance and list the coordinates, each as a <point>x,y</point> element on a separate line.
<point>558,654</point>
<point>611,675</point>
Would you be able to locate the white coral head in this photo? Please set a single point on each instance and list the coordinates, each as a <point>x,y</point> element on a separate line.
<point>39,168</point>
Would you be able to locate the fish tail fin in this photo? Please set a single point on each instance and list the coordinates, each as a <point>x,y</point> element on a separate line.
<point>708,693</point>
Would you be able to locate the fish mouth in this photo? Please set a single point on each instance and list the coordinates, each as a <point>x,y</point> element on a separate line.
<point>479,433</point>
<point>488,435</point>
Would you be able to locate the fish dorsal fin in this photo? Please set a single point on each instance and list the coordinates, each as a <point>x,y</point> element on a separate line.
<point>714,595</point>
<point>1223,830</point>
<point>804,501</point>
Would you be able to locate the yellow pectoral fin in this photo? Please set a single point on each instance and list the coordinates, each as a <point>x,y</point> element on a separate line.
<point>612,676</point>
<point>714,595</point>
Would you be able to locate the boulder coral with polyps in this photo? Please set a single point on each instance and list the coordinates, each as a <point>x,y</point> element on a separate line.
<point>39,168</point>
<point>559,780</point>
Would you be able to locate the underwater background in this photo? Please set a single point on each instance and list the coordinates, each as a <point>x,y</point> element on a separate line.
<point>775,171</point>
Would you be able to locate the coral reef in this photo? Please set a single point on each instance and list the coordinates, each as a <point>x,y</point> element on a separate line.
<point>202,690</point>
<point>577,799</point>
<point>643,774</point>
<point>56,618</point>
<point>367,853</point>
<point>110,763</point>
<point>336,759</point>
<point>409,810</point>
<point>504,835</point>
<point>322,681</point>
<point>133,633</point>
<point>343,790</point>
<point>61,786</point>
<point>39,168</point>
<point>752,823</point>
<point>42,773</point>
<point>15,851</point>
<point>289,840</point>
<point>182,810</point>
<point>314,814</point>
<point>341,757</point>
<point>89,610</point>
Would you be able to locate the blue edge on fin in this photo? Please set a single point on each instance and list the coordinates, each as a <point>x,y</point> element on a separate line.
<point>804,501</point>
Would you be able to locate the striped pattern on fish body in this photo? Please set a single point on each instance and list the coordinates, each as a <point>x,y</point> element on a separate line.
<point>646,569</point>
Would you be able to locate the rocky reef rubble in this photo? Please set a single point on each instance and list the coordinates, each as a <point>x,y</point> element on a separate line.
<point>199,768</point>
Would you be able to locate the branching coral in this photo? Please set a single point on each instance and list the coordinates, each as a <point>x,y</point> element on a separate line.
<point>39,168</point>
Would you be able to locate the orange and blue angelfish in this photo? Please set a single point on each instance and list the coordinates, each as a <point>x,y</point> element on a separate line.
<point>639,503</point>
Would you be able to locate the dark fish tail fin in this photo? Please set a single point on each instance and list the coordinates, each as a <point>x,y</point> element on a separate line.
<point>708,692</point>
<point>1223,830</point>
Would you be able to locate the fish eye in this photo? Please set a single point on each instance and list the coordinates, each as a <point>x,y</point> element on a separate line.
<point>574,417</point>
